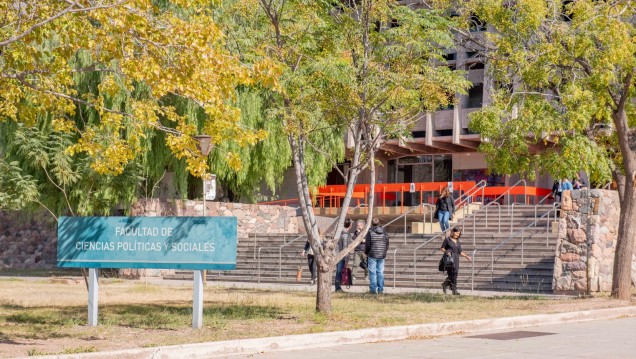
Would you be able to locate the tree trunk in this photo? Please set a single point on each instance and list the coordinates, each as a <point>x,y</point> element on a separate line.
<point>622,276</point>
<point>323,296</point>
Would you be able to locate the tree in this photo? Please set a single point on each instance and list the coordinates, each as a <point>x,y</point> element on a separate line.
<point>368,68</point>
<point>567,70</point>
<point>142,53</point>
<point>100,98</point>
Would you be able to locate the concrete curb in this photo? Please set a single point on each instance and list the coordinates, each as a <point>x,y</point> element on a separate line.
<point>371,335</point>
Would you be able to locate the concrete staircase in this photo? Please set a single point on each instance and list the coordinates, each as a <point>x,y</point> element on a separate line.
<point>407,267</point>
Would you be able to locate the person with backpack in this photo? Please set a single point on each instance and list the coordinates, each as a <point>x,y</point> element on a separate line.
<point>452,248</point>
<point>343,242</point>
<point>376,246</point>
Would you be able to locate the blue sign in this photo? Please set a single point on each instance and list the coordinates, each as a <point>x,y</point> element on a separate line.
<point>196,243</point>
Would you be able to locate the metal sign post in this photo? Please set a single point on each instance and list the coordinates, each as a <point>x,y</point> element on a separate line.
<point>93,296</point>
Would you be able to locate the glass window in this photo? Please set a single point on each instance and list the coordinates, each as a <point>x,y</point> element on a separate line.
<point>475,96</point>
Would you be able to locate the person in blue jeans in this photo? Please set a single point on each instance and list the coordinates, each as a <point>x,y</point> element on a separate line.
<point>342,244</point>
<point>376,246</point>
<point>445,207</point>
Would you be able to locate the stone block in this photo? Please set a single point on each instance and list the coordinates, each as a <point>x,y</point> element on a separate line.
<point>576,235</point>
<point>566,201</point>
<point>570,257</point>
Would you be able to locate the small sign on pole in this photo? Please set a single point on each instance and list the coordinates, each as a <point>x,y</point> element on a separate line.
<point>412,187</point>
<point>210,188</point>
<point>450,187</point>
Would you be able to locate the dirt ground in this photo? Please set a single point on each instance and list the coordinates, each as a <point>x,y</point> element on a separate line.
<point>289,313</point>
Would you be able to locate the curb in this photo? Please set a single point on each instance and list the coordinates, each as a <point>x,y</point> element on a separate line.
<point>371,335</point>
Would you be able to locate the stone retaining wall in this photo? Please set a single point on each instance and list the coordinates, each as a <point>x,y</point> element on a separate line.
<point>27,240</point>
<point>588,229</point>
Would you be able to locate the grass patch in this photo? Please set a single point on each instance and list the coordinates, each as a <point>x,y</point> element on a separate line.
<point>54,314</point>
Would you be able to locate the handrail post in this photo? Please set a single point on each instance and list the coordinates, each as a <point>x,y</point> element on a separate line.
<point>414,265</point>
<point>405,229</point>
<point>472,280</point>
<point>492,265</point>
<point>512,217</point>
<point>394,261</point>
<point>280,262</point>
<point>259,265</point>
<point>522,236</point>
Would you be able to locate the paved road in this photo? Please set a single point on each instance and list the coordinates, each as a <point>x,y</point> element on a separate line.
<point>605,339</point>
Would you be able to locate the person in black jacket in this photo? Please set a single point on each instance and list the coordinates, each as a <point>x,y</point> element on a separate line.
<point>376,246</point>
<point>452,247</point>
<point>445,207</point>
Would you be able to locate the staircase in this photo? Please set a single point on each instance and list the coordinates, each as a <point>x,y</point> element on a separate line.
<point>407,267</point>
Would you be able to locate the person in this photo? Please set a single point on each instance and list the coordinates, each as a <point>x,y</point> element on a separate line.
<point>342,244</point>
<point>358,252</point>
<point>578,183</point>
<point>311,261</point>
<point>452,247</point>
<point>376,246</point>
<point>566,185</point>
<point>445,207</point>
<point>556,191</point>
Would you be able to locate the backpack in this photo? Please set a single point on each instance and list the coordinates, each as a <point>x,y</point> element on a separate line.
<point>345,277</point>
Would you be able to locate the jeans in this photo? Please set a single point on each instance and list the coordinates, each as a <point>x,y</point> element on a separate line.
<point>339,269</point>
<point>376,275</point>
<point>443,217</point>
<point>311,262</point>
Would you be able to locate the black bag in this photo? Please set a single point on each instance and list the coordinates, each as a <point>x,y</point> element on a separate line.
<point>364,264</point>
<point>446,262</point>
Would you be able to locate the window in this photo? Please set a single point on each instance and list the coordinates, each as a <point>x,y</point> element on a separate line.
<point>418,134</point>
<point>471,54</point>
<point>450,57</point>
<point>475,96</point>
<point>475,66</point>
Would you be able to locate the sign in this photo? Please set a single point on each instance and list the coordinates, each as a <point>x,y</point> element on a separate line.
<point>197,243</point>
<point>450,187</point>
<point>412,187</point>
<point>210,188</point>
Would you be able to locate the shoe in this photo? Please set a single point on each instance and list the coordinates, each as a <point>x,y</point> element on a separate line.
<point>313,281</point>
<point>445,287</point>
<point>454,288</point>
<point>340,290</point>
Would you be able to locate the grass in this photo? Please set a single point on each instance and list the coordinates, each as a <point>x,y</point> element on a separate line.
<point>49,316</point>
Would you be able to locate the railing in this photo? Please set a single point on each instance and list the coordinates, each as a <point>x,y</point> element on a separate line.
<point>280,250</point>
<point>405,217</point>
<point>469,194</point>
<point>512,236</point>
<point>472,276</point>
<point>280,256</point>
<point>485,207</point>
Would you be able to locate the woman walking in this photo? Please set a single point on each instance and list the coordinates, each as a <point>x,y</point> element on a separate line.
<point>451,247</point>
<point>445,207</point>
<point>311,262</point>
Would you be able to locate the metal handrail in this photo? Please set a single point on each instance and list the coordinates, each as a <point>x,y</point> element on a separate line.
<point>500,196</point>
<point>471,192</point>
<point>427,242</point>
<point>280,250</point>
<point>280,256</point>
<point>404,215</point>
<point>533,224</point>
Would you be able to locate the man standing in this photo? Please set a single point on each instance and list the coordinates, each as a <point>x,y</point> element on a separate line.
<point>342,244</point>
<point>376,246</point>
<point>358,253</point>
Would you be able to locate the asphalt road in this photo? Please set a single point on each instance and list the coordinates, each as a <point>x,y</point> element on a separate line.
<point>599,339</point>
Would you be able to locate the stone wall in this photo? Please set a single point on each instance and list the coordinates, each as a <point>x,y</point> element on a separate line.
<point>29,240</point>
<point>252,218</point>
<point>588,228</point>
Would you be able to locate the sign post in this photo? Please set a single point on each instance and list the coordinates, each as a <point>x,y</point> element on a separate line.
<point>196,243</point>
<point>93,296</point>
